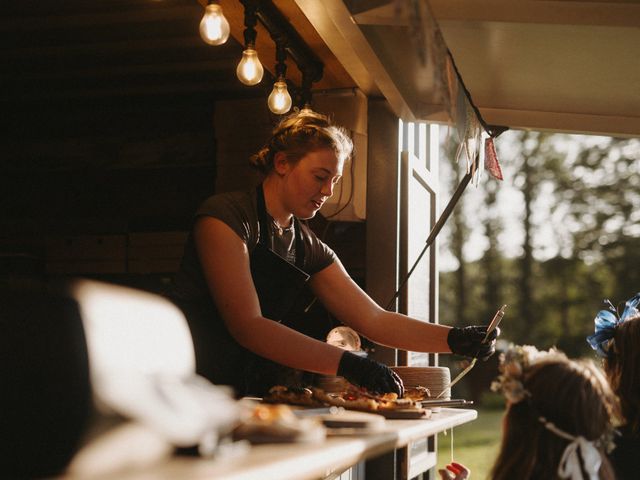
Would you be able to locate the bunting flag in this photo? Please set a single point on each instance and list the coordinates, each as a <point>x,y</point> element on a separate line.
<point>469,132</point>
<point>450,91</point>
<point>491,159</point>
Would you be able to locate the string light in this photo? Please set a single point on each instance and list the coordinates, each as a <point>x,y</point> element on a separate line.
<point>250,70</point>
<point>308,74</point>
<point>279,101</point>
<point>214,27</point>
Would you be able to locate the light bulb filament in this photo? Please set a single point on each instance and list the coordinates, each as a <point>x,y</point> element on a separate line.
<point>250,69</point>
<point>279,100</point>
<point>214,27</point>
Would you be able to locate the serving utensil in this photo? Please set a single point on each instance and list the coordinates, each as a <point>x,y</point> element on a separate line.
<point>495,321</point>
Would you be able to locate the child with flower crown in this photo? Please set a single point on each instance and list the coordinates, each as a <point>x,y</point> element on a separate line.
<point>557,423</point>
<point>617,341</point>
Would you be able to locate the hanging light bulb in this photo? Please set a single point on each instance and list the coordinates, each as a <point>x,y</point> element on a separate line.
<point>279,100</point>
<point>309,72</point>
<point>250,69</point>
<point>214,27</point>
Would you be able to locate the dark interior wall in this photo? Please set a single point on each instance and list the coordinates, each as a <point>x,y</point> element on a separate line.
<point>116,121</point>
<point>99,173</point>
<point>126,162</point>
<point>107,190</point>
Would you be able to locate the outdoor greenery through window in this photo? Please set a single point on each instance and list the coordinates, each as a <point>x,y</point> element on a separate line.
<point>558,235</point>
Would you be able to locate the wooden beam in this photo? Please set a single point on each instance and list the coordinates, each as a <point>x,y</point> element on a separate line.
<point>612,14</point>
<point>604,13</point>
<point>334,76</point>
<point>333,22</point>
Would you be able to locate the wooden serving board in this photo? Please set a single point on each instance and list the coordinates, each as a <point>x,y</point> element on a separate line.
<point>353,419</point>
<point>405,413</point>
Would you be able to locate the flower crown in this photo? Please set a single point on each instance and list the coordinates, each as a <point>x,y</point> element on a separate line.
<point>513,365</point>
<point>607,321</point>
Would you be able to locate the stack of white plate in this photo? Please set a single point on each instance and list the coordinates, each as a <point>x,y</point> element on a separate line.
<point>436,379</point>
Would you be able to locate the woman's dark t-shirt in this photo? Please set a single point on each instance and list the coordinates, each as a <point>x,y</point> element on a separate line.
<point>238,210</point>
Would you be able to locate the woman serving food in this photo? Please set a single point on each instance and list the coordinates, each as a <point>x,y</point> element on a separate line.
<point>249,256</point>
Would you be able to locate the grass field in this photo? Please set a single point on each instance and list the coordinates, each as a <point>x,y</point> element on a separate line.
<point>475,444</point>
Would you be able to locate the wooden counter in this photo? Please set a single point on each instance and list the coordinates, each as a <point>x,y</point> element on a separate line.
<point>294,461</point>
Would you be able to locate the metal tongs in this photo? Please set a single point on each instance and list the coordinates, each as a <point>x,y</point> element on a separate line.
<point>495,321</point>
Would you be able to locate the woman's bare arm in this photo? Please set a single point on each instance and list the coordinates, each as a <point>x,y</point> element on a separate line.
<point>225,263</point>
<point>346,300</point>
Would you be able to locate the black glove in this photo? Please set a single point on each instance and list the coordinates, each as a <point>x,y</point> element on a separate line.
<point>467,341</point>
<point>369,374</point>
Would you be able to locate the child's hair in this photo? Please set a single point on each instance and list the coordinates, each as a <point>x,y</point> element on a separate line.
<point>556,406</point>
<point>617,340</point>
<point>299,134</point>
<point>622,367</point>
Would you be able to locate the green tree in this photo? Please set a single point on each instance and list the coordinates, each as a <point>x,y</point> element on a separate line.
<point>453,288</point>
<point>538,164</point>
<point>491,268</point>
<point>604,196</point>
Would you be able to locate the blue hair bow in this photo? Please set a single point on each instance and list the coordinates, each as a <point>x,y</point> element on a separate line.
<point>606,322</point>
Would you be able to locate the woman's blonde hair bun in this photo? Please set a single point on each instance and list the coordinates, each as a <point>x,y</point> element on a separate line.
<point>300,133</point>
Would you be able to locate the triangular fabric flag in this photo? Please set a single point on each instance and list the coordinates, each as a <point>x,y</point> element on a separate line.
<point>491,162</point>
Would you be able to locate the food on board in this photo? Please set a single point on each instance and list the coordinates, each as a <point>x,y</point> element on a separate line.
<point>352,399</point>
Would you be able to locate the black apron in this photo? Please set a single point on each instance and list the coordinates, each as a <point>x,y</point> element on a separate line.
<point>279,286</point>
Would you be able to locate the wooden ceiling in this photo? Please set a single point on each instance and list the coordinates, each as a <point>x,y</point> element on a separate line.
<point>558,65</point>
<point>72,51</point>
<point>77,50</point>
<point>563,65</point>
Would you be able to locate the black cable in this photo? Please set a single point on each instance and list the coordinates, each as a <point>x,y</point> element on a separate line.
<point>492,130</point>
